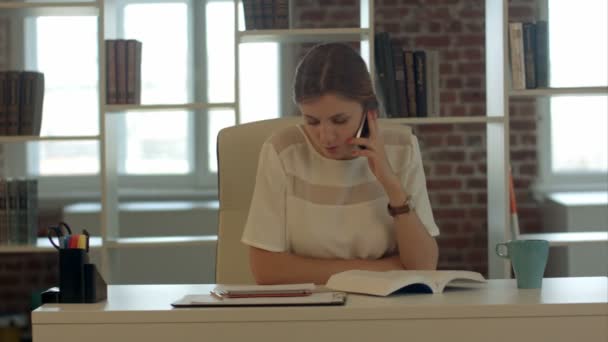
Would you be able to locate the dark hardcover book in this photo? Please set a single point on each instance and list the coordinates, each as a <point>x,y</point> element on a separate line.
<point>133,71</point>
<point>3,212</point>
<point>121,71</point>
<point>13,211</point>
<point>380,72</point>
<point>529,32</point>
<point>432,82</point>
<point>410,83</point>
<point>400,81</point>
<point>3,104</point>
<point>23,228</point>
<point>390,76</point>
<point>13,84</point>
<point>258,15</point>
<point>249,14</point>
<point>267,14</point>
<point>281,14</point>
<point>138,57</point>
<point>541,64</point>
<point>32,98</point>
<point>31,194</point>
<point>111,89</point>
<point>420,79</point>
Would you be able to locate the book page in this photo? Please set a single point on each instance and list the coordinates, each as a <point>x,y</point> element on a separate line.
<point>385,283</point>
<point>372,282</point>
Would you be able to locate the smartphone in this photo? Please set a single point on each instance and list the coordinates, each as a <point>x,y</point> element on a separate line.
<point>363,131</point>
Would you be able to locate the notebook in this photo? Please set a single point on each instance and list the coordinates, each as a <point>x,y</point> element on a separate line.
<point>315,298</point>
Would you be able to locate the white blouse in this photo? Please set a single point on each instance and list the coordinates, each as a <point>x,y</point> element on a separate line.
<point>313,206</point>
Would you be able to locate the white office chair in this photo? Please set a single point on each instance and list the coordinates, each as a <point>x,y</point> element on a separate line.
<point>238,149</point>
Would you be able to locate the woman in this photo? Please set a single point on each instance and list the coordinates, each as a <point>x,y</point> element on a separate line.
<point>326,201</point>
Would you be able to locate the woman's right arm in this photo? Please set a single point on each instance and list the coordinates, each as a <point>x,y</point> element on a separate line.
<point>286,268</point>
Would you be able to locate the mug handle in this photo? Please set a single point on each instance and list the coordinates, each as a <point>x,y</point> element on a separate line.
<point>500,253</point>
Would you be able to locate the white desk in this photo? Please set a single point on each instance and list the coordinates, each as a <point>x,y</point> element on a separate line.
<point>566,309</point>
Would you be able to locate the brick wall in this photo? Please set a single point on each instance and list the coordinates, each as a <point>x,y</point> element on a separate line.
<point>454,156</point>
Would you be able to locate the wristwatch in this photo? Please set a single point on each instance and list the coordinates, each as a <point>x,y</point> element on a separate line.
<point>407,207</point>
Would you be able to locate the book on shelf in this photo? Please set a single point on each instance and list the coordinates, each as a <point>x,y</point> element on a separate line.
<point>541,61</point>
<point>400,82</point>
<point>4,227</point>
<point>13,100</point>
<point>281,14</point>
<point>407,80</point>
<point>385,283</point>
<point>12,212</point>
<point>410,82</point>
<point>380,79</point>
<point>18,211</point>
<point>123,71</point>
<point>529,34</point>
<point>385,67</point>
<point>529,55</point>
<point>3,104</point>
<point>111,91</point>
<point>516,47</point>
<point>32,98</point>
<point>432,82</point>
<point>420,81</point>
<point>133,71</point>
<point>21,102</point>
<point>248,9</point>
<point>266,14</point>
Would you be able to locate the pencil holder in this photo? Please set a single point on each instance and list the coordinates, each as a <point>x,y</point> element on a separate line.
<point>72,275</point>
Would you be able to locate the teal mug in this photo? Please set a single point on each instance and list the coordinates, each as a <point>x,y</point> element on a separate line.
<point>529,259</point>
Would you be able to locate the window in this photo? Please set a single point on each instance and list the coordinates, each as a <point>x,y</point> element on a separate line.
<point>188,56</point>
<point>574,129</point>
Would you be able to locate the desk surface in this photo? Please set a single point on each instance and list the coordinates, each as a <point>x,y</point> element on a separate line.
<point>499,298</point>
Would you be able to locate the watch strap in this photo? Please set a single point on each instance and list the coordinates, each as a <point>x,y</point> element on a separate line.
<point>402,209</point>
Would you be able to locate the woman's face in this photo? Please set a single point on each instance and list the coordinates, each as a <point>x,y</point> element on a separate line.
<point>330,121</point>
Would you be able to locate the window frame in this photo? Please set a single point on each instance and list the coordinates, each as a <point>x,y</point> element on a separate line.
<point>549,181</point>
<point>199,183</point>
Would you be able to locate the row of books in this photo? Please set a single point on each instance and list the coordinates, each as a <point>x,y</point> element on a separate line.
<point>123,71</point>
<point>529,54</point>
<point>18,211</point>
<point>408,79</point>
<point>21,99</point>
<point>266,14</point>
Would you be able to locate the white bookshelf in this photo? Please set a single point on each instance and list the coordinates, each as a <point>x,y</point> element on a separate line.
<point>576,91</point>
<point>303,35</point>
<point>109,244</point>
<point>498,94</point>
<point>26,138</point>
<point>164,107</point>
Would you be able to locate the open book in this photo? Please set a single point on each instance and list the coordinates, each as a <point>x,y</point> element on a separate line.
<point>384,283</point>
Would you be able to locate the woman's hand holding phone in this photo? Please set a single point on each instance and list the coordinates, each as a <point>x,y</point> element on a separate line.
<point>372,147</point>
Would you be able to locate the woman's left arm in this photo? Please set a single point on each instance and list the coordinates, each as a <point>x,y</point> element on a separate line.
<point>417,248</point>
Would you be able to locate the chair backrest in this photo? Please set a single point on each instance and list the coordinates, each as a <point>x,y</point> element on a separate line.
<point>238,150</point>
